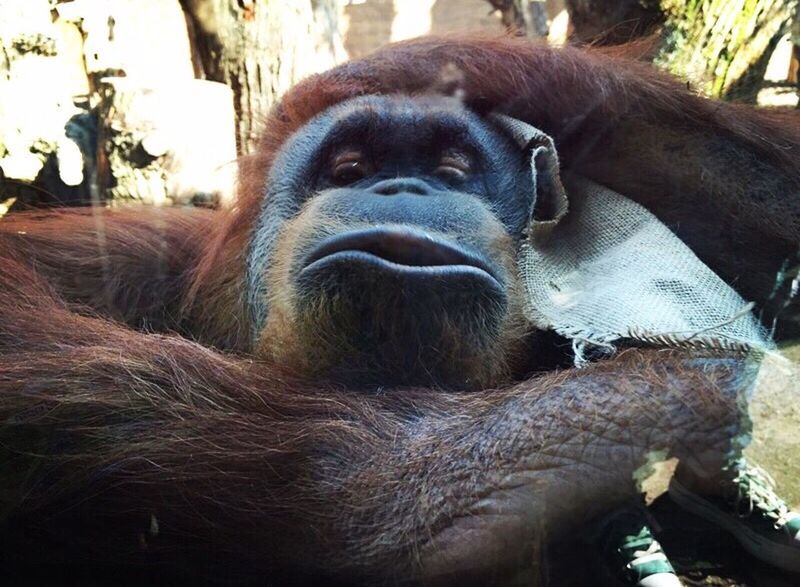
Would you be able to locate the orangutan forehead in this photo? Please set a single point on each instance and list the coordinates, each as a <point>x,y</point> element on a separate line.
<point>417,119</point>
<point>410,109</point>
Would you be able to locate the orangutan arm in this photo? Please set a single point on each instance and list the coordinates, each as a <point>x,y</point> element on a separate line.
<point>236,459</point>
<point>131,265</point>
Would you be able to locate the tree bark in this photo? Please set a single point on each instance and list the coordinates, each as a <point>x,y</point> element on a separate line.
<point>723,46</point>
<point>261,48</point>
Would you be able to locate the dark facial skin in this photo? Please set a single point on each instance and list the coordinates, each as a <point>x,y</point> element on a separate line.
<point>388,243</point>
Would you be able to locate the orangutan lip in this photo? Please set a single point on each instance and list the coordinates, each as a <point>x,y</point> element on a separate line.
<point>402,247</point>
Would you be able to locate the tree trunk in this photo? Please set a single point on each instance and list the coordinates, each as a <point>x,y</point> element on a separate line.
<point>261,48</point>
<point>723,46</point>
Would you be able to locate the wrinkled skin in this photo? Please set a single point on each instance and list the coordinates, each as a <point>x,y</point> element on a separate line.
<point>129,392</point>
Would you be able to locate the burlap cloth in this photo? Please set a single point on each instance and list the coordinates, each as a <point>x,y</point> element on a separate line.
<point>604,272</point>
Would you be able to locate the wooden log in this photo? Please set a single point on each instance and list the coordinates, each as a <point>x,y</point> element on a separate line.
<point>166,144</point>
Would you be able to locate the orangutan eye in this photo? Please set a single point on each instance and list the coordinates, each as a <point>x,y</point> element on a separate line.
<point>453,166</point>
<point>349,167</point>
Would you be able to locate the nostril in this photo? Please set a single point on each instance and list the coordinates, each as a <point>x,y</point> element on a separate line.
<point>386,190</point>
<point>391,187</point>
